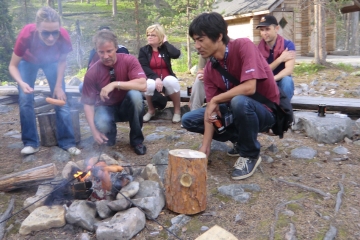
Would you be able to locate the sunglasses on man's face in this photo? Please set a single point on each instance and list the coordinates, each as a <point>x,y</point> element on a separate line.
<point>46,34</point>
<point>112,75</point>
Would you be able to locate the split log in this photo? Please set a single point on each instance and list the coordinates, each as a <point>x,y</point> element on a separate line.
<point>185,183</point>
<point>6,215</point>
<point>24,178</point>
<point>47,126</point>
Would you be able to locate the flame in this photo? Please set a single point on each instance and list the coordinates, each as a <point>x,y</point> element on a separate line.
<point>81,178</point>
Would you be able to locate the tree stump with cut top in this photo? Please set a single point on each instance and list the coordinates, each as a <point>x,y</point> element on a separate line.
<point>47,126</point>
<point>185,182</point>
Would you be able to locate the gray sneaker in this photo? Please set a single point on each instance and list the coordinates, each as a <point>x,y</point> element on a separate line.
<point>233,152</point>
<point>245,167</point>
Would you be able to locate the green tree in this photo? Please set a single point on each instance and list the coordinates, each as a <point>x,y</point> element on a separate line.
<point>6,40</point>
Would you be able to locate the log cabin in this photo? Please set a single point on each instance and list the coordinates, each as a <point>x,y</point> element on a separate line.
<point>294,17</point>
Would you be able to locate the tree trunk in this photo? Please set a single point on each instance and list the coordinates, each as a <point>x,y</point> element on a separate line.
<point>107,2</point>
<point>79,55</point>
<point>185,183</point>
<point>24,178</point>
<point>88,1</point>
<point>201,4</point>
<point>137,24</point>
<point>59,7</point>
<point>347,32</point>
<point>50,3</point>
<point>316,32</point>
<point>322,34</point>
<point>114,8</point>
<point>188,37</point>
<point>354,40</point>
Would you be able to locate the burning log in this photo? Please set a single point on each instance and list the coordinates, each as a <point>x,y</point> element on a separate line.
<point>24,178</point>
<point>185,183</point>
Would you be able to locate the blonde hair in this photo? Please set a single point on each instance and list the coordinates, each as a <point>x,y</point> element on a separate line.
<point>46,14</point>
<point>104,36</point>
<point>159,30</point>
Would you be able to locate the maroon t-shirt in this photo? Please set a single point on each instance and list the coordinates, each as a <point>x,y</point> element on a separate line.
<point>244,62</point>
<point>158,65</point>
<point>31,48</point>
<point>126,68</point>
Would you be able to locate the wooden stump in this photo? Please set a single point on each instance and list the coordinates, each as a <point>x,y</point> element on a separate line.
<point>47,125</point>
<point>185,183</point>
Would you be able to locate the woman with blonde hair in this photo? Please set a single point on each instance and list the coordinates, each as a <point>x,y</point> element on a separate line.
<point>155,59</point>
<point>43,44</point>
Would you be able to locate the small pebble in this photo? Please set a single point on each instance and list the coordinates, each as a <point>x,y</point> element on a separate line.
<point>204,228</point>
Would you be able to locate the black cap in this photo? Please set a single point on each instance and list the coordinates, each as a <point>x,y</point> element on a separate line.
<point>267,21</point>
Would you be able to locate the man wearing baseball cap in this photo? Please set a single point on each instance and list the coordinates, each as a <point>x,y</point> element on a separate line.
<point>278,52</point>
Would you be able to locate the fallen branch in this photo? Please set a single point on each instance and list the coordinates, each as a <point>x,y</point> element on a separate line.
<point>339,197</point>
<point>311,189</point>
<point>276,212</point>
<point>5,216</point>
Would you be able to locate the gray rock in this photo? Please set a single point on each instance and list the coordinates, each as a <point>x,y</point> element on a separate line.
<point>153,137</point>
<point>129,190</point>
<point>303,153</point>
<point>108,160</point>
<point>251,187</point>
<point>34,200</point>
<point>150,173</point>
<point>66,172</point>
<point>357,142</point>
<point>178,144</point>
<point>204,228</point>
<point>84,236</point>
<point>267,159</point>
<point>304,87</point>
<point>238,217</point>
<point>235,191</point>
<point>103,209</point>
<point>340,150</point>
<point>29,158</point>
<point>124,225</point>
<point>219,146</point>
<point>150,197</point>
<point>43,218</point>
<point>291,234</point>
<point>10,133</point>
<point>5,109</point>
<point>119,205</point>
<point>329,129</point>
<point>162,129</point>
<point>59,155</point>
<point>74,81</point>
<point>17,145</point>
<point>82,213</point>
<point>348,140</point>
<point>314,82</point>
<point>172,138</point>
<point>161,157</point>
<point>273,148</point>
<point>327,153</point>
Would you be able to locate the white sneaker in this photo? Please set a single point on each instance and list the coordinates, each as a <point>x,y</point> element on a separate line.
<point>74,151</point>
<point>176,118</point>
<point>29,150</point>
<point>148,116</point>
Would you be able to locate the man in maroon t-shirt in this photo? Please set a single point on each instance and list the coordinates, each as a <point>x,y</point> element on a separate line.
<point>244,116</point>
<point>111,93</point>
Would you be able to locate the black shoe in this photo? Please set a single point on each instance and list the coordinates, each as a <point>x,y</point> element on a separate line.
<point>233,152</point>
<point>140,149</point>
<point>245,167</point>
<point>110,143</point>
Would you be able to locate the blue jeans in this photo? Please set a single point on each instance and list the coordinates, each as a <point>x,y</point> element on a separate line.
<point>250,118</point>
<point>287,85</point>
<point>131,110</point>
<point>64,129</point>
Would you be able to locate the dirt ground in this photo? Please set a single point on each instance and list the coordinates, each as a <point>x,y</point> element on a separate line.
<point>275,207</point>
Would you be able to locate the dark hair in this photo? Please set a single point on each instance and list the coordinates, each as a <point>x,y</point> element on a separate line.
<point>210,25</point>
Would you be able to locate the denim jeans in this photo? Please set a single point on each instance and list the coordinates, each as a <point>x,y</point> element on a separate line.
<point>287,85</point>
<point>131,110</point>
<point>250,118</point>
<point>64,129</point>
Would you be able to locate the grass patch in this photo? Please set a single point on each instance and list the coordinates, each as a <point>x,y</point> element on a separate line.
<point>345,67</point>
<point>307,68</point>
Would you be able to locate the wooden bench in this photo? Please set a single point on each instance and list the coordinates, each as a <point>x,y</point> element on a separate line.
<point>345,105</point>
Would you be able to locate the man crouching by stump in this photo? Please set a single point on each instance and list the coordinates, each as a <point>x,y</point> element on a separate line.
<point>111,93</point>
<point>244,116</point>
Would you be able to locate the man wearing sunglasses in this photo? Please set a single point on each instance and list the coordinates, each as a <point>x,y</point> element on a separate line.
<point>111,93</point>
<point>44,45</point>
